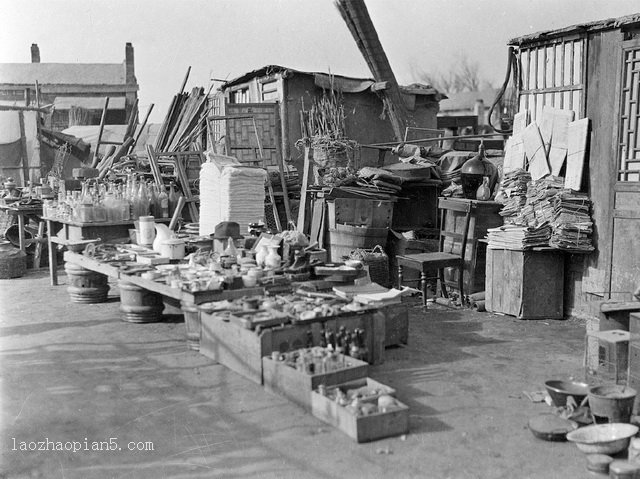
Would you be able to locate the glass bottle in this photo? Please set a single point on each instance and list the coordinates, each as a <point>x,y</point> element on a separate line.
<point>142,201</point>
<point>173,198</point>
<point>153,200</point>
<point>163,202</point>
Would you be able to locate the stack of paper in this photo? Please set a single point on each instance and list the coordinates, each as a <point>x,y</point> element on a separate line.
<point>518,237</point>
<point>539,209</point>
<point>514,187</point>
<point>571,225</point>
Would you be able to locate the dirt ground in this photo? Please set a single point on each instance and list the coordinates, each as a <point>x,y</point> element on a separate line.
<point>76,372</point>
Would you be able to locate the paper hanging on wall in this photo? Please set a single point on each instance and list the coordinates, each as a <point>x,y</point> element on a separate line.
<point>520,122</point>
<point>546,126</point>
<point>578,132</point>
<point>559,140</point>
<point>534,148</point>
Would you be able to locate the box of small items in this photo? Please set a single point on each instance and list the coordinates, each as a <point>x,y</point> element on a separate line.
<point>295,374</point>
<point>365,410</point>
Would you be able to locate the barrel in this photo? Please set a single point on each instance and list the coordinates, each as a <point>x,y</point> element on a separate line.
<point>86,286</point>
<point>192,324</point>
<point>139,305</point>
<point>345,238</point>
<point>13,262</point>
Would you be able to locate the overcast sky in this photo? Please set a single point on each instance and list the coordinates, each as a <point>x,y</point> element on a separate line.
<point>225,38</point>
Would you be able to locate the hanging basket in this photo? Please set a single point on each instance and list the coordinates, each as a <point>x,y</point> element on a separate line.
<point>377,261</point>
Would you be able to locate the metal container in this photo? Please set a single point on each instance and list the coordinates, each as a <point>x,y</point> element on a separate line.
<point>86,286</point>
<point>139,305</point>
<point>614,402</point>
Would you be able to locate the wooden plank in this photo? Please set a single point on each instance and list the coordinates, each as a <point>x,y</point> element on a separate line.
<point>40,240</point>
<point>306,173</point>
<point>578,134</point>
<point>92,264</point>
<point>103,120</point>
<point>23,148</point>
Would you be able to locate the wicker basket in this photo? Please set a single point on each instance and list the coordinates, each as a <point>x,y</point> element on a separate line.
<point>13,262</point>
<point>377,261</point>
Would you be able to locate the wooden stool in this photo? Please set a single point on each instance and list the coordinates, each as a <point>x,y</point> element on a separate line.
<point>424,262</point>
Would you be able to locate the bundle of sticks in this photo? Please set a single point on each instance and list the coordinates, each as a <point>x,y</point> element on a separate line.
<point>185,121</point>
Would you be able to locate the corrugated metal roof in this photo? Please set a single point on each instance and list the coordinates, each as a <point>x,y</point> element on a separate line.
<point>466,100</point>
<point>62,73</point>
<point>348,84</point>
<point>88,102</point>
<point>590,27</point>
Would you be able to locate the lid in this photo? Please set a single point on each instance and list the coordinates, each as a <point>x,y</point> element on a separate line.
<point>598,462</point>
<point>146,218</point>
<point>551,427</point>
<point>620,466</point>
<point>173,241</point>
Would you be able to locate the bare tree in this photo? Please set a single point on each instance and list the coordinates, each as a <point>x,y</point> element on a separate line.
<point>464,75</point>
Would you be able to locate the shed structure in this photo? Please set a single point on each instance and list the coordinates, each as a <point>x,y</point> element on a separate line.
<point>594,69</point>
<point>276,95</point>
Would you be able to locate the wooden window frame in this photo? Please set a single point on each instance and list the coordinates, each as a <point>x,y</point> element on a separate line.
<point>622,144</point>
<point>529,95</point>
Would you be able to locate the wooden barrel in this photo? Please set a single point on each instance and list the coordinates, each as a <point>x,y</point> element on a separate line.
<point>13,262</point>
<point>139,305</point>
<point>86,286</point>
<point>345,238</point>
<point>192,324</point>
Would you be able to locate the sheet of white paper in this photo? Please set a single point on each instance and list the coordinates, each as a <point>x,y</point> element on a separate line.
<point>559,139</point>
<point>578,132</point>
<point>546,126</point>
<point>534,148</point>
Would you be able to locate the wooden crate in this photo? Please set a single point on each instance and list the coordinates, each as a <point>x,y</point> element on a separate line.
<point>297,386</point>
<point>361,428</point>
<point>360,212</point>
<point>525,284</point>
<point>241,349</point>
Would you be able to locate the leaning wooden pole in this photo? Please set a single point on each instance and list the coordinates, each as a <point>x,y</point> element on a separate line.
<point>356,16</point>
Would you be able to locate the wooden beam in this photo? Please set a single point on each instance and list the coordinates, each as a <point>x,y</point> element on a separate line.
<point>102,122</point>
<point>23,144</point>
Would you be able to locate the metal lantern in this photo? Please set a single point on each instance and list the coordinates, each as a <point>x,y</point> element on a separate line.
<point>473,172</point>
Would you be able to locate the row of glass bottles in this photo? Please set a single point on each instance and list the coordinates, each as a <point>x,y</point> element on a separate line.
<point>99,202</point>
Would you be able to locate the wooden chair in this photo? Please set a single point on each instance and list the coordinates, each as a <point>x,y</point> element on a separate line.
<point>446,257</point>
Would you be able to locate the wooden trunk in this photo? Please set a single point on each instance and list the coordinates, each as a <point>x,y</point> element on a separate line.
<point>86,286</point>
<point>297,386</point>
<point>361,428</point>
<point>525,284</point>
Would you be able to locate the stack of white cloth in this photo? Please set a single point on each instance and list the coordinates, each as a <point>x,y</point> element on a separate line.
<point>230,192</point>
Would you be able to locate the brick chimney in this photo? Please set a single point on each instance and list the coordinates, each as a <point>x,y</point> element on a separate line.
<point>35,53</point>
<point>129,71</point>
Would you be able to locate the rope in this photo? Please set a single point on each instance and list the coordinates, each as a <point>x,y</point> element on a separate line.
<point>512,63</point>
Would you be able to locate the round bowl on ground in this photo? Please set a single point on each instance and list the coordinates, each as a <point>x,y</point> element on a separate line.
<point>560,389</point>
<point>550,427</point>
<point>603,438</point>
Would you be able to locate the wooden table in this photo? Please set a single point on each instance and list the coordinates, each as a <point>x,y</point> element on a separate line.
<point>197,297</point>
<point>73,233</point>
<point>21,212</point>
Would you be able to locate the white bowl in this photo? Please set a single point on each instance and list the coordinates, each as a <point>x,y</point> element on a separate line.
<point>603,438</point>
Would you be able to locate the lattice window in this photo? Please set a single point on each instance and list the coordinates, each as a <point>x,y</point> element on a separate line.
<point>553,73</point>
<point>629,139</point>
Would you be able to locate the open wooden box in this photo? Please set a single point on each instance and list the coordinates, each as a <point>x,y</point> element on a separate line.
<point>377,425</point>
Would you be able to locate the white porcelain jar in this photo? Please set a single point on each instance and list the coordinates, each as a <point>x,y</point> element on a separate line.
<point>172,248</point>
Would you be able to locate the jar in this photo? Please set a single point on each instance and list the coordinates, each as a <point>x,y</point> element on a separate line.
<point>172,248</point>
<point>273,259</point>
<point>147,230</point>
<point>261,254</point>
